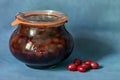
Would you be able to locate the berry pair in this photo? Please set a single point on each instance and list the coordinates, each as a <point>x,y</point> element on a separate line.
<point>80,66</point>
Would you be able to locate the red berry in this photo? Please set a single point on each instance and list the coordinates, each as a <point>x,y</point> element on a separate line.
<point>86,66</point>
<point>48,41</point>
<point>52,46</point>
<point>81,68</point>
<point>77,61</point>
<point>38,54</point>
<point>72,67</point>
<point>41,41</point>
<point>62,41</point>
<point>43,47</point>
<point>56,40</point>
<point>94,65</point>
<point>87,62</point>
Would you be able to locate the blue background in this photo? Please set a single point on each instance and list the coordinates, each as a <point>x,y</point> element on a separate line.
<point>94,25</point>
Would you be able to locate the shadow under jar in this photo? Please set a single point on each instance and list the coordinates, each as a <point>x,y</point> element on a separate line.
<point>41,39</point>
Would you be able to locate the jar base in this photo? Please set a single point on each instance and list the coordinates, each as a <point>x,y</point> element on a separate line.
<point>40,67</point>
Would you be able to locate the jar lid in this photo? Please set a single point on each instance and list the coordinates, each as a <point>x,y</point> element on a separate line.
<point>44,18</point>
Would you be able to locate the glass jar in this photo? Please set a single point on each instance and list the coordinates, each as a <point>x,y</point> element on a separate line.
<point>41,40</point>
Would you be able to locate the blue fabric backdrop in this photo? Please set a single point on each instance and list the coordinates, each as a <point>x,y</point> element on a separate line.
<point>95,26</point>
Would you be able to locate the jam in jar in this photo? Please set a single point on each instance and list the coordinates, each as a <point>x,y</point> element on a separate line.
<point>41,40</point>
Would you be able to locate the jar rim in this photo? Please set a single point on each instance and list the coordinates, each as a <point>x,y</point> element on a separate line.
<point>41,18</point>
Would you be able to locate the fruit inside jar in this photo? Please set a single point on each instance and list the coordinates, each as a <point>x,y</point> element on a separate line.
<point>41,40</point>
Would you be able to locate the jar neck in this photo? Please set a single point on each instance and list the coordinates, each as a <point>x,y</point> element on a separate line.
<point>40,18</point>
<point>31,26</point>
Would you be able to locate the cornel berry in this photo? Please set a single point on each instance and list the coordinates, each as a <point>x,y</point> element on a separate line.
<point>77,61</point>
<point>86,66</point>
<point>87,62</point>
<point>80,66</point>
<point>94,65</point>
<point>72,67</point>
